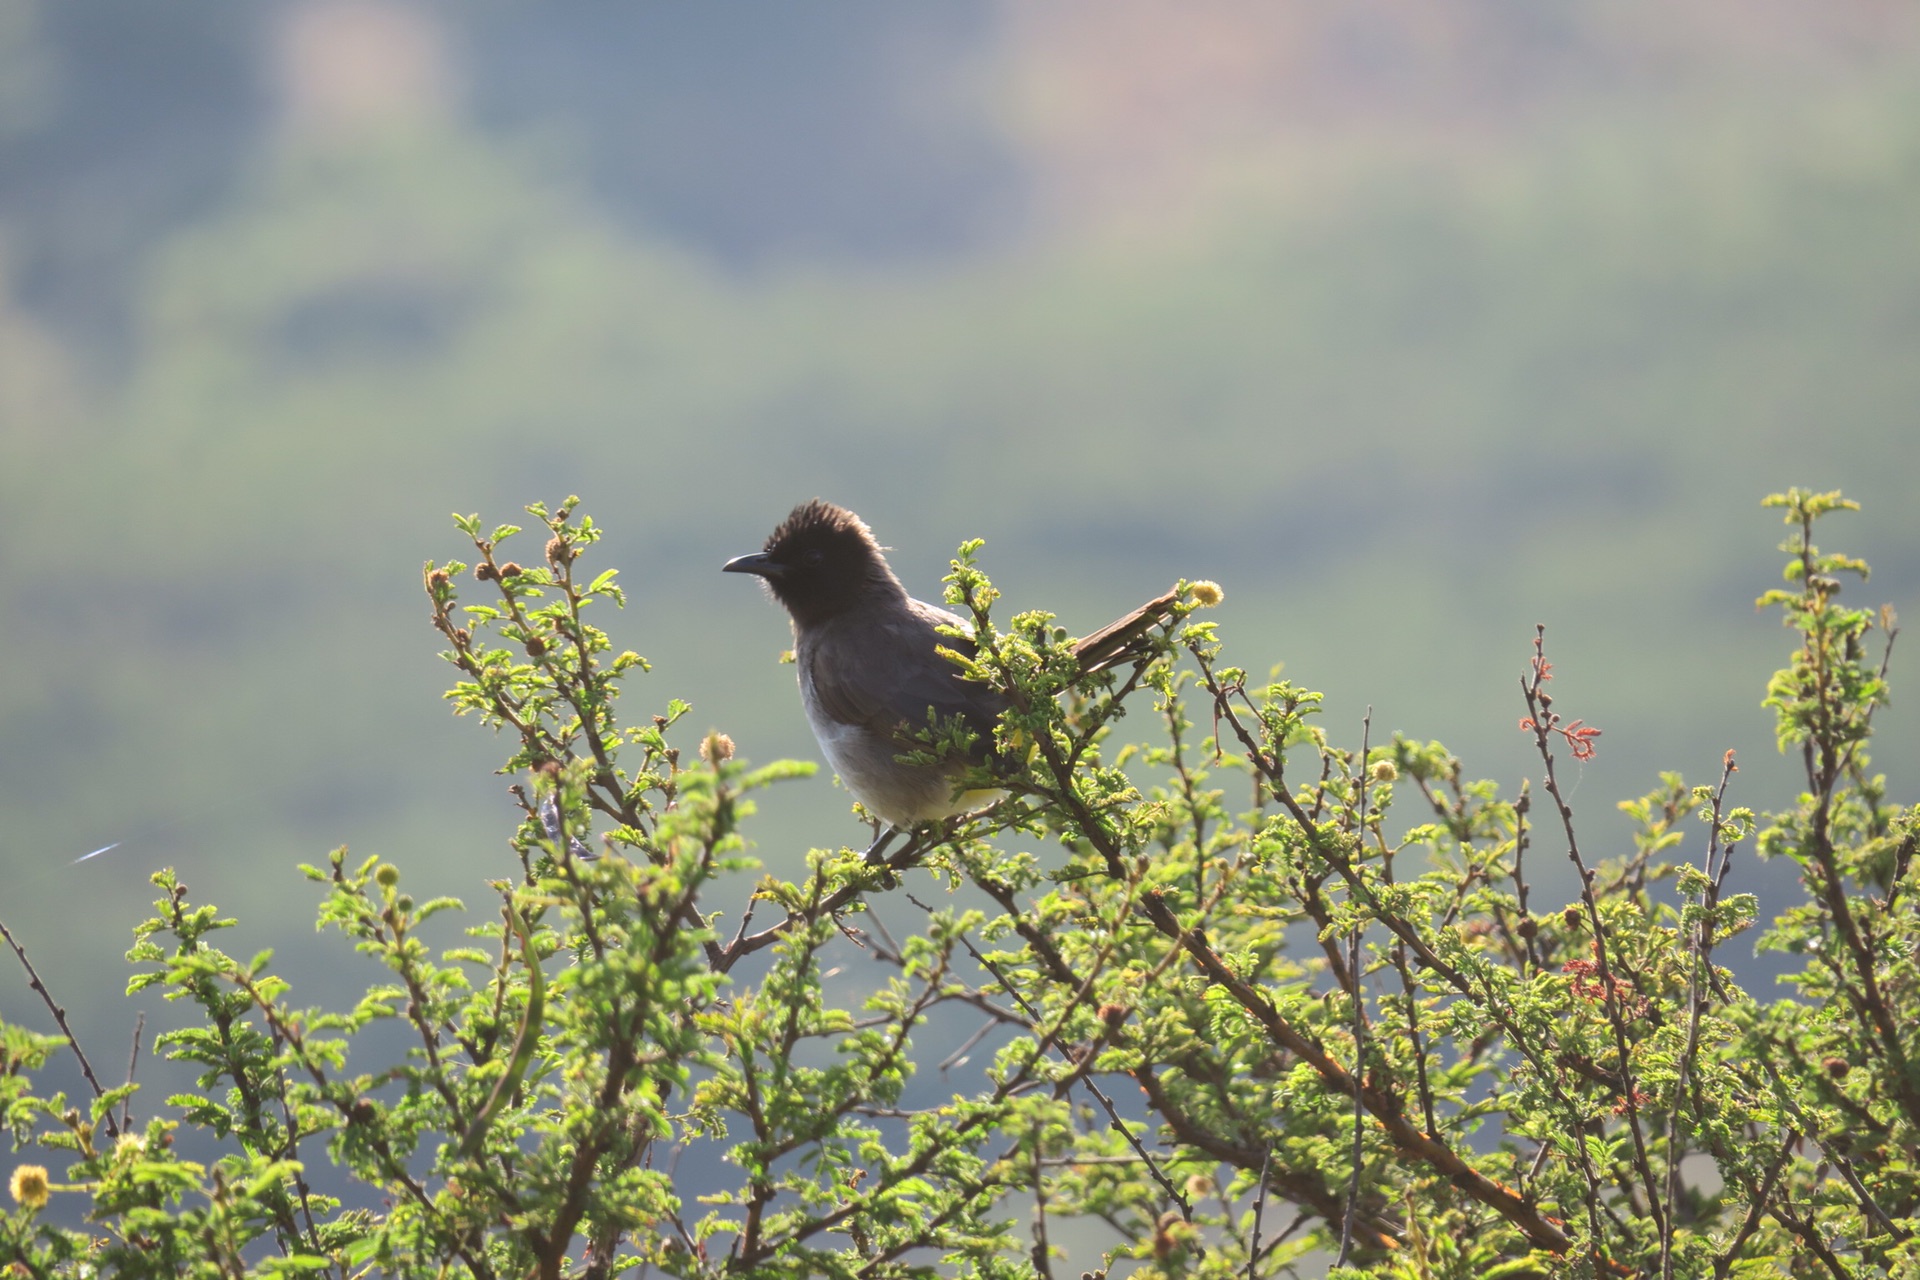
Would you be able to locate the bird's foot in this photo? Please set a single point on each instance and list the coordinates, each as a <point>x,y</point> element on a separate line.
<point>877,851</point>
<point>908,854</point>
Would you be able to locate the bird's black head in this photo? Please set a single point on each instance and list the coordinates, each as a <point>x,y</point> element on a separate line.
<point>821,561</point>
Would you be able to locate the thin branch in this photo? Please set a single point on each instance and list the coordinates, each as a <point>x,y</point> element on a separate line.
<point>66,1030</point>
<point>133,1062</point>
<point>1700,944</point>
<point>1259,1210</point>
<point>1358,995</point>
<point>1042,1251</point>
<point>1756,1209</point>
<point>1543,721</point>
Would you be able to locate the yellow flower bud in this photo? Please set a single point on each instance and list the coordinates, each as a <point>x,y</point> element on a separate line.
<point>1205,594</point>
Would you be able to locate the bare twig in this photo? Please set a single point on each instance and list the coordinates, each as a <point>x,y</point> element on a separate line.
<point>1359,1103</point>
<point>1259,1210</point>
<point>1701,945</point>
<point>1042,1251</point>
<point>133,1061</point>
<point>1543,721</point>
<point>66,1029</point>
<point>1358,994</point>
<point>1756,1208</point>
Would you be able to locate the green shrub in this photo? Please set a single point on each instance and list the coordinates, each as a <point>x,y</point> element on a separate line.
<point>1239,1011</point>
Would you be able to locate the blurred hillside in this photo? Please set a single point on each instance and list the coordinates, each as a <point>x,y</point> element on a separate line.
<point>1412,326</point>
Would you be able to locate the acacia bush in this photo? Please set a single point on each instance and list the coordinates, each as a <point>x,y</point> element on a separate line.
<point>1251,1001</point>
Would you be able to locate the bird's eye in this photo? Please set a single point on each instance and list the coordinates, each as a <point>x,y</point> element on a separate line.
<point>814,556</point>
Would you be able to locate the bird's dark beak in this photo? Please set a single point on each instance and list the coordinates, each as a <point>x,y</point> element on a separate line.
<point>760,564</point>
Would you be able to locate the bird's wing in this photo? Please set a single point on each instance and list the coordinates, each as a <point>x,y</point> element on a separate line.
<point>888,672</point>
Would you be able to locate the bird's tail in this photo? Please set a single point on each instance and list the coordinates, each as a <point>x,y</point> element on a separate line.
<point>1122,639</point>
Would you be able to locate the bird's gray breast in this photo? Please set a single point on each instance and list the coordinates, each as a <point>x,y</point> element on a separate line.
<point>865,685</point>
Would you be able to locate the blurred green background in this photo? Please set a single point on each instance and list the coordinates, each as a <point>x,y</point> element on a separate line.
<point>1411,325</point>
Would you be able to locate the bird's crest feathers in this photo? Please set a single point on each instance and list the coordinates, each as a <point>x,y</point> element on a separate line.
<point>819,519</point>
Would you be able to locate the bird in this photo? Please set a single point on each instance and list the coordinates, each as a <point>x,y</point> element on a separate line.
<point>871,670</point>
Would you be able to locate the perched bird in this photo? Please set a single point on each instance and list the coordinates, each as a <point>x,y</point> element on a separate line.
<point>870,667</point>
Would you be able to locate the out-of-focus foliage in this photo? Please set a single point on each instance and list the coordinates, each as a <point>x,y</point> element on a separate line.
<point>1416,331</point>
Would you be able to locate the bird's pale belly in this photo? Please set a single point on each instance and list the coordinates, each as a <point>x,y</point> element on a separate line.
<point>899,793</point>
